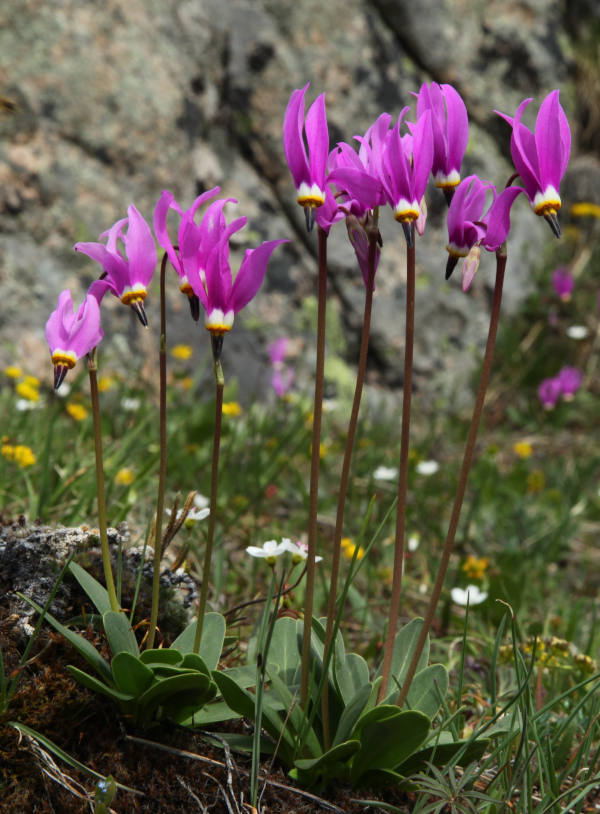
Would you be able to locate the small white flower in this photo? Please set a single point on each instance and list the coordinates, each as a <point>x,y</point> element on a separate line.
<point>471,594</point>
<point>269,551</point>
<point>427,467</point>
<point>299,550</point>
<point>577,331</point>
<point>63,390</point>
<point>24,405</point>
<point>385,473</point>
<point>201,501</point>
<point>413,542</point>
<point>193,516</point>
<point>131,404</point>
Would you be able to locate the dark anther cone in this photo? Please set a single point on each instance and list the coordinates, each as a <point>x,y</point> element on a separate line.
<point>448,194</point>
<point>409,233</point>
<point>194,306</point>
<point>60,371</point>
<point>552,220</point>
<point>138,307</point>
<point>451,265</point>
<point>216,341</point>
<point>309,216</point>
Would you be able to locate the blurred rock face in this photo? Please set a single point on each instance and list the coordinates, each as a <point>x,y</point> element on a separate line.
<point>107,104</point>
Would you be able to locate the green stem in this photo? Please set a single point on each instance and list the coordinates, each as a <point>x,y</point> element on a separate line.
<point>345,474</point>
<point>403,469</point>
<point>108,575</point>
<point>314,469</point>
<point>464,472</point>
<point>162,469</point>
<point>214,483</point>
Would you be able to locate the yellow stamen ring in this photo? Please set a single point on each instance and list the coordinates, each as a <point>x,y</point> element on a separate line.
<point>66,358</point>
<point>134,295</point>
<point>547,202</point>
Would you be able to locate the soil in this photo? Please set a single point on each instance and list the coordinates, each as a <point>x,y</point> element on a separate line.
<point>171,769</point>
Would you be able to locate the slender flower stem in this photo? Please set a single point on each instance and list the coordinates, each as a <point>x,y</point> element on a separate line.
<point>162,467</point>
<point>464,472</point>
<point>314,469</point>
<point>108,575</point>
<point>403,468</point>
<point>345,474</point>
<point>217,342</point>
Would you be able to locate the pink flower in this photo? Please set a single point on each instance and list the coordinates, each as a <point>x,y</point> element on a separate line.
<point>564,283</point>
<point>541,157</point>
<point>450,126</point>
<point>127,279</point>
<point>71,336</point>
<point>308,171</point>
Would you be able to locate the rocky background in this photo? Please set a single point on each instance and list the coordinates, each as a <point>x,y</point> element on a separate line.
<point>107,103</point>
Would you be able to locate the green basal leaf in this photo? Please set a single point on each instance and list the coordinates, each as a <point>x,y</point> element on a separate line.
<point>404,647</point>
<point>92,683</point>
<point>198,688</point>
<point>240,743</point>
<point>167,670</point>
<point>294,715</point>
<point>214,713</point>
<point>131,675</point>
<point>351,714</point>
<point>161,656</point>
<point>83,647</point>
<point>242,702</point>
<point>388,736</point>
<point>283,650</point>
<point>96,592</point>
<point>427,691</point>
<point>211,641</point>
<point>443,753</point>
<point>376,778</point>
<point>192,661</point>
<point>335,756</point>
<point>119,633</point>
<point>351,675</point>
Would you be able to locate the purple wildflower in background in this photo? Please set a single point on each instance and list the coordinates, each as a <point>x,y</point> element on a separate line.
<point>541,157</point>
<point>71,335</point>
<point>450,127</point>
<point>564,283</point>
<point>570,381</point>
<point>283,375</point>
<point>549,392</point>
<point>308,170</point>
<point>127,279</point>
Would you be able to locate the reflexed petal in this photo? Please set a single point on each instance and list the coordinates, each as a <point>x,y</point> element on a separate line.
<point>114,265</point>
<point>293,143</point>
<point>164,203</point>
<point>422,154</point>
<point>251,274</point>
<point>317,136</point>
<point>498,218</point>
<point>458,128</point>
<point>141,251</point>
<point>359,185</point>
<point>87,332</point>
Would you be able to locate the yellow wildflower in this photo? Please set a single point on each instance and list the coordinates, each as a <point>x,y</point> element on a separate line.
<point>536,481</point>
<point>585,208</point>
<point>33,381</point>
<point>349,547</point>
<point>322,450</point>
<point>77,411</point>
<point>124,477</point>
<point>182,352</point>
<point>27,391</point>
<point>475,567</point>
<point>522,449</point>
<point>186,383</point>
<point>20,454</point>
<point>232,408</point>
<point>106,383</point>
<point>13,372</point>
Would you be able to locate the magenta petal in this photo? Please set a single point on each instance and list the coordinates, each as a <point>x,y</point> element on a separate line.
<point>548,146</point>
<point>99,288</point>
<point>458,128</point>
<point>422,154</point>
<point>141,250</point>
<point>251,274</point>
<point>56,336</point>
<point>293,144</point>
<point>164,203</point>
<point>329,212</point>
<point>498,218</point>
<point>317,136</point>
<point>358,184</point>
<point>86,333</point>
<point>114,234</point>
<point>114,265</point>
